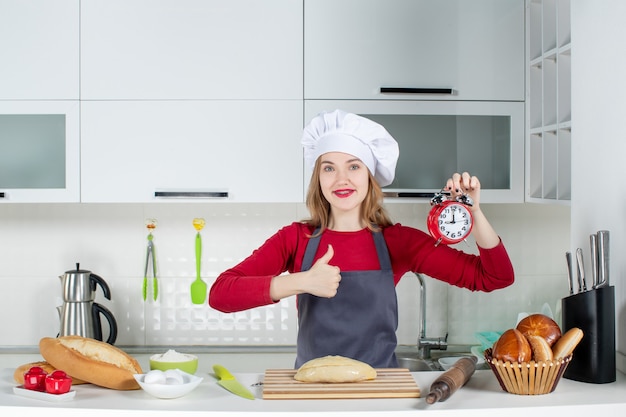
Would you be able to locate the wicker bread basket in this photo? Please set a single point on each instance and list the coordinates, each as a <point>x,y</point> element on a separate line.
<point>528,378</point>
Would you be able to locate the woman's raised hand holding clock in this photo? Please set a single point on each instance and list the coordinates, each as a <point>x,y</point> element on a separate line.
<point>465,183</point>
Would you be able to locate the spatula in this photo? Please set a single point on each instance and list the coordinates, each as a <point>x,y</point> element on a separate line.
<point>198,287</point>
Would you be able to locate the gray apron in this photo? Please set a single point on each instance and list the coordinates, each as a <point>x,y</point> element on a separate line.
<point>360,322</point>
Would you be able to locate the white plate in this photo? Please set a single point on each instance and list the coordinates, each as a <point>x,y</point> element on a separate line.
<point>170,391</point>
<point>38,395</point>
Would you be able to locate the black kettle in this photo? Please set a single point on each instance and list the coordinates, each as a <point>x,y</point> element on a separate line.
<point>79,314</point>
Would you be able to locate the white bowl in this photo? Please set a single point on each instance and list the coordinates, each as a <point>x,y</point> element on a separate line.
<point>190,382</point>
<point>479,352</point>
<point>447,362</point>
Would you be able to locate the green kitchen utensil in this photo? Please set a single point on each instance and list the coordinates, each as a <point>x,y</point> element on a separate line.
<point>228,381</point>
<point>198,287</point>
<point>150,255</point>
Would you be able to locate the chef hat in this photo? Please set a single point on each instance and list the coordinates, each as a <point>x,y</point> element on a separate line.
<point>349,133</point>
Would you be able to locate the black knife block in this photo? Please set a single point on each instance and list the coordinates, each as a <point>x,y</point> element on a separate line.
<point>593,312</point>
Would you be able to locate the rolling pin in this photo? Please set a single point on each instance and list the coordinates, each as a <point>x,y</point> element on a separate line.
<point>451,380</point>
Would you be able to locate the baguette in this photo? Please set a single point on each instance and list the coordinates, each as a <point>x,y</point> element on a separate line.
<point>566,344</point>
<point>334,369</point>
<point>18,375</point>
<point>92,361</point>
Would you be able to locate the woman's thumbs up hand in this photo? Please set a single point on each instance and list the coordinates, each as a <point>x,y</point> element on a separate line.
<point>323,279</point>
<point>326,257</point>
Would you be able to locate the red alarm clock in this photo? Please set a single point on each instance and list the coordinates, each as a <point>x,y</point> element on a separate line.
<point>450,221</point>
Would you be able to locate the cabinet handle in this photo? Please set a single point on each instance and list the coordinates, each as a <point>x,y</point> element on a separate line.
<point>191,194</point>
<point>408,194</point>
<point>407,90</point>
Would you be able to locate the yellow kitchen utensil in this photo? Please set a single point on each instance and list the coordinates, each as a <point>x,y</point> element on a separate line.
<point>228,381</point>
<point>198,287</point>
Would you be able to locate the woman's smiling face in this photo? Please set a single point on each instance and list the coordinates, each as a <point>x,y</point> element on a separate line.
<point>344,180</point>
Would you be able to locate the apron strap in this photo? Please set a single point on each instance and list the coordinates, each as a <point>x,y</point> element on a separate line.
<point>311,250</point>
<point>379,242</point>
<point>381,249</point>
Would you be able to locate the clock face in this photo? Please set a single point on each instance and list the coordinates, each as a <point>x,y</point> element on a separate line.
<point>450,222</point>
<point>455,222</point>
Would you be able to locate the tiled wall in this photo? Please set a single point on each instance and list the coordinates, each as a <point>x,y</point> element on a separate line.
<point>39,242</point>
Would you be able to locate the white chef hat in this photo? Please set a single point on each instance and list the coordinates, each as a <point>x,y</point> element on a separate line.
<point>339,131</point>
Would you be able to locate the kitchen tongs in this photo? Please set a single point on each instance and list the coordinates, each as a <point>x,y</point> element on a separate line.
<point>150,256</point>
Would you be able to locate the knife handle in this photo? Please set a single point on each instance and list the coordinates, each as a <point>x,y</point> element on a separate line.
<point>222,373</point>
<point>603,258</point>
<point>593,244</point>
<point>582,284</point>
<point>570,272</point>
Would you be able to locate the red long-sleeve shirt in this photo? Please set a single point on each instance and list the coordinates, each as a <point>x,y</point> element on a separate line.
<point>247,285</point>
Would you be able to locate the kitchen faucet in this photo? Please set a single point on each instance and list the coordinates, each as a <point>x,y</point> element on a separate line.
<point>424,344</point>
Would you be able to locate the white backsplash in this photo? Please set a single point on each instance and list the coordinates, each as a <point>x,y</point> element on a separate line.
<point>39,242</point>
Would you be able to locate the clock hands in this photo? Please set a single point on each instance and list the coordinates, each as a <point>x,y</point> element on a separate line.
<point>444,224</point>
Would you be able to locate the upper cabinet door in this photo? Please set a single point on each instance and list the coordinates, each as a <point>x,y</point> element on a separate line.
<point>353,48</point>
<point>39,46</point>
<point>202,49</point>
<point>191,150</point>
<point>39,151</point>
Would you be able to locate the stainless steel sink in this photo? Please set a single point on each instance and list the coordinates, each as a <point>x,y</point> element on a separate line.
<point>409,357</point>
<point>414,364</point>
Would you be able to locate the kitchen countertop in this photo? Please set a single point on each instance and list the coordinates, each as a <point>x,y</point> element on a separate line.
<point>482,396</point>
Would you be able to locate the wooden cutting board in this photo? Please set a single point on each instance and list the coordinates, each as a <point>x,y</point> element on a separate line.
<point>279,384</point>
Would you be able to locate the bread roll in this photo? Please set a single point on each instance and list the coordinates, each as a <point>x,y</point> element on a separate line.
<point>335,369</point>
<point>92,361</point>
<point>566,344</point>
<point>540,325</point>
<point>18,375</point>
<point>540,347</point>
<point>512,346</point>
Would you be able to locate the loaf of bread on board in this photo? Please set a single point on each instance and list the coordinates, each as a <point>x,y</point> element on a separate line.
<point>334,369</point>
<point>92,361</point>
<point>18,375</point>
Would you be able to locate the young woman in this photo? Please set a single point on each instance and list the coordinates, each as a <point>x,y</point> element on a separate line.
<point>344,262</point>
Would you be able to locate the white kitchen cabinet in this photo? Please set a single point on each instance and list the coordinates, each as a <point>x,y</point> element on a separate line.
<point>39,46</point>
<point>39,151</point>
<point>439,138</point>
<point>548,104</point>
<point>353,48</point>
<point>132,151</point>
<point>196,49</point>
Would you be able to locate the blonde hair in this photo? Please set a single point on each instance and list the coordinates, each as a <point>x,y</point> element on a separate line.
<point>373,214</point>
